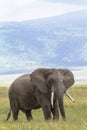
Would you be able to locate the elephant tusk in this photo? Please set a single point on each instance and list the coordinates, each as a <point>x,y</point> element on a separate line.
<point>52,99</point>
<point>69,96</point>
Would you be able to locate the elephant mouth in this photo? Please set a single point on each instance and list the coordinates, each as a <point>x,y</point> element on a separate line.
<point>67,94</point>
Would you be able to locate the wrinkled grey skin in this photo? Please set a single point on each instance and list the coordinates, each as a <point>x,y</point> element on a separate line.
<point>21,97</point>
<point>52,80</point>
<point>34,91</point>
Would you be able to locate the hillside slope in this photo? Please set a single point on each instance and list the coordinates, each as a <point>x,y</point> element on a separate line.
<point>55,41</point>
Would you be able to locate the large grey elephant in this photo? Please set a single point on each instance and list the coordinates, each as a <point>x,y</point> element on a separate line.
<point>43,88</point>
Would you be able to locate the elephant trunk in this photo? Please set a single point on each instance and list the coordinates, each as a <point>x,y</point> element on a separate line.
<point>52,99</point>
<point>61,106</point>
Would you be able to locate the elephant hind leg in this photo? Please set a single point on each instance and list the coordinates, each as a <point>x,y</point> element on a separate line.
<point>15,109</point>
<point>28,115</point>
<point>15,114</point>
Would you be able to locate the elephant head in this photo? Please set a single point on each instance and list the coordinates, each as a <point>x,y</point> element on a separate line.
<point>55,82</point>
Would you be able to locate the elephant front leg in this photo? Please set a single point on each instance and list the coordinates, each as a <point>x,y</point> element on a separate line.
<point>28,115</point>
<point>45,104</point>
<point>47,112</point>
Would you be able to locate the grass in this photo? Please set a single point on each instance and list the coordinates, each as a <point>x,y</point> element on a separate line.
<point>76,113</point>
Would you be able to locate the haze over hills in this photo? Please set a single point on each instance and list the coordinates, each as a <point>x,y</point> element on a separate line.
<point>59,41</point>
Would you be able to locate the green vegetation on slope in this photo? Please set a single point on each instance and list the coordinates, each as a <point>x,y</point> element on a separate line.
<point>76,114</point>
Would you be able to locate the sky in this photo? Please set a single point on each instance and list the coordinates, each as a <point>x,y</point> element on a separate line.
<point>80,74</point>
<point>20,10</point>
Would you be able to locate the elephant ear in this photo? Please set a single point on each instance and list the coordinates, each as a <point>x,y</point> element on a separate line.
<point>39,81</point>
<point>68,77</point>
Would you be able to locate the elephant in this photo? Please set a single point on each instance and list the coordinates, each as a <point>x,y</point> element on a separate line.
<point>43,88</point>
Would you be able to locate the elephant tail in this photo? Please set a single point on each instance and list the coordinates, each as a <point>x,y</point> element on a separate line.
<point>8,116</point>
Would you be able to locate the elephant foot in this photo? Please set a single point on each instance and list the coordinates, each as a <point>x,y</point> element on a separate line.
<point>55,119</point>
<point>64,118</point>
<point>29,119</point>
<point>48,120</point>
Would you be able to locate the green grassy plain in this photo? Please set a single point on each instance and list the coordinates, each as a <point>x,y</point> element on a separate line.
<point>76,113</point>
